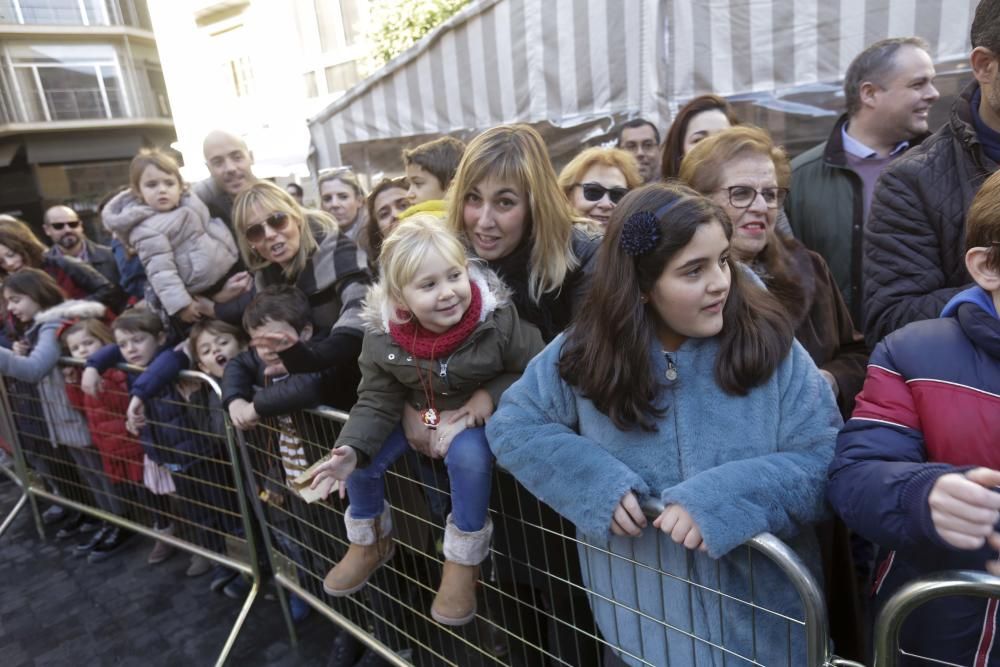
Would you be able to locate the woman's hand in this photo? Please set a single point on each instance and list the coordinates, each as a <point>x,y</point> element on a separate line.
<point>965,508</point>
<point>198,308</point>
<point>416,431</point>
<point>476,410</point>
<point>91,382</point>
<point>237,284</point>
<point>343,461</point>
<point>21,348</point>
<point>243,414</point>
<point>676,522</point>
<point>135,415</point>
<point>628,519</point>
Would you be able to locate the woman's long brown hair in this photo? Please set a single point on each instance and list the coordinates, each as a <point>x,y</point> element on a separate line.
<point>606,353</point>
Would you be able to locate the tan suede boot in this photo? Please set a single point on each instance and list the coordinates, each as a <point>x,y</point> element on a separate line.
<point>371,547</point>
<point>455,602</point>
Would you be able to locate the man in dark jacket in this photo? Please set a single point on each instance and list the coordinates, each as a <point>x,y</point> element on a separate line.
<point>914,258</point>
<point>63,227</point>
<point>888,90</point>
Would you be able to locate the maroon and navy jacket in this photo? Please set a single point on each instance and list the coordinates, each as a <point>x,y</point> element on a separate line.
<point>930,406</point>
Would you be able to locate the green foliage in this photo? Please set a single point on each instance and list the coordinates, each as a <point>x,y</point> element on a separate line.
<point>396,25</point>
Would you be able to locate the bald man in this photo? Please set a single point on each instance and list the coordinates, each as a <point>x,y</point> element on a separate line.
<point>64,228</point>
<point>230,164</point>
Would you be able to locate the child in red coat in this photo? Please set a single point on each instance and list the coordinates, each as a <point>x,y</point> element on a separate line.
<point>121,454</point>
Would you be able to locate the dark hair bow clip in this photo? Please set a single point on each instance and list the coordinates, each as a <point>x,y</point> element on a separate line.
<point>640,233</point>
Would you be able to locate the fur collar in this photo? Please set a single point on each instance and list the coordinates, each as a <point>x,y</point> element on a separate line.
<point>67,310</point>
<point>378,309</point>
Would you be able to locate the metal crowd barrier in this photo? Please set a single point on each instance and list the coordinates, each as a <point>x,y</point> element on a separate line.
<point>916,593</point>
<point>533,608</point>
<point>209,514</point>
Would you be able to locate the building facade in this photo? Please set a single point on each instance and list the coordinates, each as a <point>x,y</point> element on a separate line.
<point>81,91</point>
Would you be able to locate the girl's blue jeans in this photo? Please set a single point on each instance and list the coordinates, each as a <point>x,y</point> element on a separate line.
<point>470,472</point>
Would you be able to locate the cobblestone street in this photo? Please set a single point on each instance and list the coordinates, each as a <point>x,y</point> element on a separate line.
<point>56,609</point>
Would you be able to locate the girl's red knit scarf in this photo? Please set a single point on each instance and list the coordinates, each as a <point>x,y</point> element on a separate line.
<point>425,344</point>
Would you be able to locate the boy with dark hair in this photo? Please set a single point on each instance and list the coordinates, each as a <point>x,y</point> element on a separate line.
<point>430,168</point>
<point>258,390</point>
<point>917,464</point>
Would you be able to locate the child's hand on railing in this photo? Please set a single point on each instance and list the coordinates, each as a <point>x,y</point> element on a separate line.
<point>135,415</point>
<point>341,463</point>
<point>964,507</point>
<point>243,414</point>
<point>71,374</point>
<point>628,519</point>
<point>91,382</point>
<point>678,523</point>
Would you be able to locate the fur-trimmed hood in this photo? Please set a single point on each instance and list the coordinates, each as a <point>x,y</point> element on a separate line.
<point>68,310</point>
<point>125,211</point>
<point>378,308</point>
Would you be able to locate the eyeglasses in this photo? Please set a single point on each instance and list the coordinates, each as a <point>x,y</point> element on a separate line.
<point>596,192</point>
<point>742,196</point>
<point>277,221</point>
<point>58,226</point>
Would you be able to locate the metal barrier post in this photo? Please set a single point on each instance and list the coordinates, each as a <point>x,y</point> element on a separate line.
<point>912,595</point>
<point>20,470</point>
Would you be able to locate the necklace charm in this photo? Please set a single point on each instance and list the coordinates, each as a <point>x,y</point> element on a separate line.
<point>671,371</point>
<point>430,418</point>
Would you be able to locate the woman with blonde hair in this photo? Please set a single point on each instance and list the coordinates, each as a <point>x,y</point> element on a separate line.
<point>597,179</point>
<point>343,198</point>
<point>511,212</point>
<point>284,243</point>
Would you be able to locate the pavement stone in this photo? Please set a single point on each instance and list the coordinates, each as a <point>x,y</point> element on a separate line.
<point>57,610</point>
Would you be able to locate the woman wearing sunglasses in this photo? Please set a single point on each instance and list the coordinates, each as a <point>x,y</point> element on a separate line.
<point>745,173</point>
<point>283,243</point>
<point>597,179</point>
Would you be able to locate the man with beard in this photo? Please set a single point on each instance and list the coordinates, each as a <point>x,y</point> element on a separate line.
<point>63,227</point>
<point>230,164</point>
<point>914,249</point>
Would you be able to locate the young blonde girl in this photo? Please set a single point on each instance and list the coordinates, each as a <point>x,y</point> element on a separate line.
<point>188,255</point>
<point>443,338</point>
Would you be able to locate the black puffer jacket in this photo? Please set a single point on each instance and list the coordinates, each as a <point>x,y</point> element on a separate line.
<point>914,250</point>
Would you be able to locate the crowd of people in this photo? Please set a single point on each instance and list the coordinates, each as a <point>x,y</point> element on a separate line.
<point>806,347</point>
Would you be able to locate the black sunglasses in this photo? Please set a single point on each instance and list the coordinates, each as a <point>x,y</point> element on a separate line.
<point>58,226</point>
<point>277,221</point>
<point>596,192</point>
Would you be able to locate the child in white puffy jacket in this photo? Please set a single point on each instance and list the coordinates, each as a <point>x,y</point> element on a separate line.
<point>189,257</point>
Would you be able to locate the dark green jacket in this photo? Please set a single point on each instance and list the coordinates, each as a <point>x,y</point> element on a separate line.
<point>826,210</point>
<point>492,357</point>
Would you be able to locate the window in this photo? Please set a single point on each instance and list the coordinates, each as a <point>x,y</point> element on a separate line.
<point>310,84</point>
<point>60,82</point>
<point>341,77</point>
<point>339,23</point>
<point>56,12</point>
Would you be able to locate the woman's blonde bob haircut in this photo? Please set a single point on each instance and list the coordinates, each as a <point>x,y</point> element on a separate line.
<point>515,154</point>
<point>268,197</point>
<point>702,167</point>
<point>573,172</point>
<point>406,247</point>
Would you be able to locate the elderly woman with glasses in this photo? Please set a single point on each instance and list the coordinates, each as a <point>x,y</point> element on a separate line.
<point>743,172</point>
<point>283,243</point>
<point>597,179</point>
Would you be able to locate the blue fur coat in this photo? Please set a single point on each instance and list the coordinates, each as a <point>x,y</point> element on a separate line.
<point>740,465</point>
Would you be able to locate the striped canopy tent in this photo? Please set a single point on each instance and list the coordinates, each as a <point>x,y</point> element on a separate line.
<point>576,68</point>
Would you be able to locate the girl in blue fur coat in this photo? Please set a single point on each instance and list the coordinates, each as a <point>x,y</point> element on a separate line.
<point>680,381</point>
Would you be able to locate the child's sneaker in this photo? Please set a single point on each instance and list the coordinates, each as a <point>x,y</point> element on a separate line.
<point>299,608</point>
<point>221,575</point>
<point>116,538</point>
<point>54,514</point>
<point>238,588</point>
<point>199,566</point>
<point>162,551</point>
<point>88,545</point>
